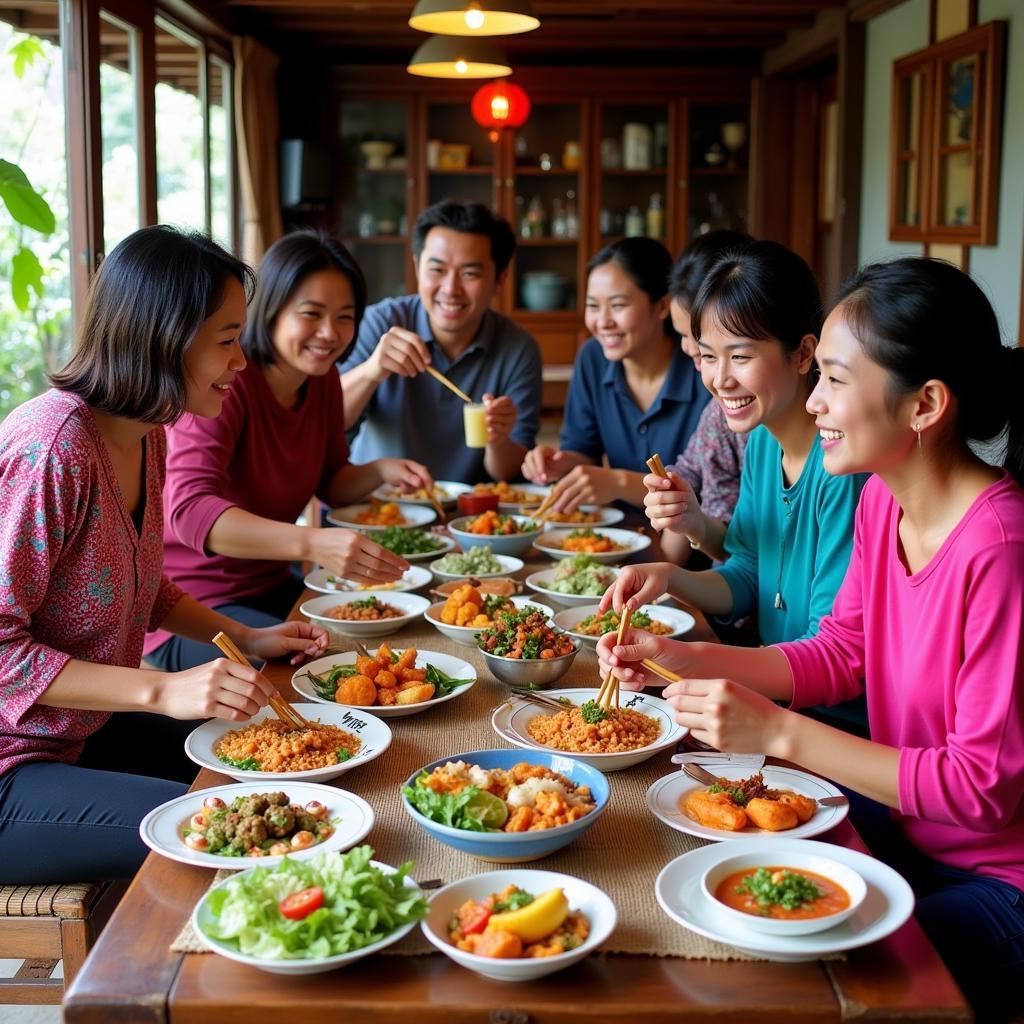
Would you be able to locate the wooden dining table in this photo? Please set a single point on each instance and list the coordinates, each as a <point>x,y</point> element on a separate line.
<point>132,975</point>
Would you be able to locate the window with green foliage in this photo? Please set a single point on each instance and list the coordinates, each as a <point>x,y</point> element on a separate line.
<point>35,285</point>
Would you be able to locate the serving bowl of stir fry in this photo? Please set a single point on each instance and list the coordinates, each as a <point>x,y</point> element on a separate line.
<point>366,613</point>
<point>468,610</point>
<point>505,534</point>
<point>526,651</point>
<point>589,624</point>
<point>379,515</point>
<point>603,545</point>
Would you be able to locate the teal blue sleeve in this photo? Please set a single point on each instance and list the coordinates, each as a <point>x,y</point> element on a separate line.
<point>836,514</point>
<point>740,569</point>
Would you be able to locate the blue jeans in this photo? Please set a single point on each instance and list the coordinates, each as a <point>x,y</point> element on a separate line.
<point>79,822</point>
<point>257,610</point>
<point>974,921</point>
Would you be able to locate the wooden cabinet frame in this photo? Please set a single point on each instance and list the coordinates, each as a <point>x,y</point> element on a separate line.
<point>987,43</point>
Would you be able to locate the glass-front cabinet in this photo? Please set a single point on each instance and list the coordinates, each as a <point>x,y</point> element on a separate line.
<point>717,167</point>
<point>947,106</point>
<point>374,177</point>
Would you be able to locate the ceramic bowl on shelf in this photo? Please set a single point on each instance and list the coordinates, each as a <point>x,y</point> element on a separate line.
<point>543,290</point>
<point>377,152</point>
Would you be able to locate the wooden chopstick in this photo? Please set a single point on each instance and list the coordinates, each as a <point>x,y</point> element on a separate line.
<point>438,507</point>
<point>608,695</point>
<point>454,388</point>
<point>656,466</point>
<point>665,673</point>
<point>281,707</point>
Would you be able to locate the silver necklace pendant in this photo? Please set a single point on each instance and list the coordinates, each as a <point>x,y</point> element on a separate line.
<point>779,603</point>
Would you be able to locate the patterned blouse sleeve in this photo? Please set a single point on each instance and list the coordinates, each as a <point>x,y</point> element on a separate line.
<point>45,497</point>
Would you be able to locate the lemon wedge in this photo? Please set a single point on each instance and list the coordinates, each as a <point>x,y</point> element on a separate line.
<point>536,920</point>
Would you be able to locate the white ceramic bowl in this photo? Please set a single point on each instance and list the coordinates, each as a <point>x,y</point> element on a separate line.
<point>321,580</point>
<point>412,607</point>
<point>466,635</point>
<point>374,734</point>
<point>540,583</point>
<point>509,565</point>
<point>629,541</point>
<point>608,515</point>
<point>447,492</point>
<point>201,917</point>
<point>501,544</point>
<point>163,829</point>
<point>679,621</point>
<point>511,720</point>
<point>414,515</point>
<point>455,667</point>
<point>582,896</point>
<point>783,856</point>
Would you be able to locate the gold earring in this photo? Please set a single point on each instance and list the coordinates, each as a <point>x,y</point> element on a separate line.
<point>917,430</point>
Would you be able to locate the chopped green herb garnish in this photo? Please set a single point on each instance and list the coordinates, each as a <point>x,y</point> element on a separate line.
<point>738,796</point>
<point>342,754</point>
<point>782,888</point>
<point>520,898</point>
<point>593,713</point>
<point>245,764</point>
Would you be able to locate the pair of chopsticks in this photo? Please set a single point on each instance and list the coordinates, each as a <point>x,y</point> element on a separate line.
<point>542,508</point>
<point>438,507</point>
<point>608,695</point>
<point>281,707</point>
<point>454,388</point>
<point>656,466</point>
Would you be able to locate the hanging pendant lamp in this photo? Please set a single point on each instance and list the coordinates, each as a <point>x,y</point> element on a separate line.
<point>473,17</point>
<point>455,57</point>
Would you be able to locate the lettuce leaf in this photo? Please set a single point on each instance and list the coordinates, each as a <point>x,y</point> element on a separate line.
<point>456,810</point>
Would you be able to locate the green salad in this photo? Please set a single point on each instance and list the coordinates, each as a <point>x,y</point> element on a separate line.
<point>474,562</point>
<point>330,904</point>
<point>472,808</point>
<point>583,576</point>
<point>403,541</point>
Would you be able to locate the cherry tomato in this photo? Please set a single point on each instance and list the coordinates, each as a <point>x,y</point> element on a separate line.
<point>476,921</point>
<point>302,904</point>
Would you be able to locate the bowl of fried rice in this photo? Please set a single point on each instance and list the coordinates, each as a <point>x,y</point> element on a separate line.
<point>265,748</point>
<point>610,740</point>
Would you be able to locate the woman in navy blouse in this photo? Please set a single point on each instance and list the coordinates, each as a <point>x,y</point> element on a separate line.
<point>633,391</point>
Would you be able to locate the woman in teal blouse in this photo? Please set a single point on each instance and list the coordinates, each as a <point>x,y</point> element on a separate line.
<point>756,320</point>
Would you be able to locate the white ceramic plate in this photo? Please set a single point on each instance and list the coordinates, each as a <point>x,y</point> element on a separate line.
<point>595,905</point>
<point>679,621</point>
<point>415,515</point>
<point>888,904</point>
<point>664,796</point>
<point>201,916</point>
<point>412,607</point>
<point>509,565</point>
<point>630,542</point>
<point>320,579</point>
<point>163,829</point>
<point>374,734</point>
<point>466,635</point>
<point>539,582</point>
<point>510,721</point>
<point>447,492</point>
<point>445,544</point>
<point>608,516</point>
<point>455,667</point>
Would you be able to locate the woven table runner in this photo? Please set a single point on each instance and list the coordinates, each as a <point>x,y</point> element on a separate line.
<point>622,854</point>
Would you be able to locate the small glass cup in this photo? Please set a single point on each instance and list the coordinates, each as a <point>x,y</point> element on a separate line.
<point>474,419</point>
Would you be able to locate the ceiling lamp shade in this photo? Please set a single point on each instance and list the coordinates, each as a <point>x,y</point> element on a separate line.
<point>500,105</point>
<point>473,17</point>
<point>452,57</point>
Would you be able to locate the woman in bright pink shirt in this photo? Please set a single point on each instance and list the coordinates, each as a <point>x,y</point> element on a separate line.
<point>81,552</point>
<point>236,484</point>
<point>929,622</point>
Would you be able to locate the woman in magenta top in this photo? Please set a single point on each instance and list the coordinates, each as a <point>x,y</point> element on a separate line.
<point>237,483</point>
<point>81,552</point>
<point>929,621</point>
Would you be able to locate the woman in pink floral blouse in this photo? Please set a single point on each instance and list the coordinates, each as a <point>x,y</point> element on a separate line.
<point>81,556</point>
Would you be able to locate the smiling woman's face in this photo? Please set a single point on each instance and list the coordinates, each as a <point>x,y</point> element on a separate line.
<point>862,430</point>
<point>316,324</point>
<point>620,314</point>
<point>755,381</point>
<point>215,356</point>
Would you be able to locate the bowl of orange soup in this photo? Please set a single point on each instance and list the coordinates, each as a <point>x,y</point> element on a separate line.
<point>782,890</point>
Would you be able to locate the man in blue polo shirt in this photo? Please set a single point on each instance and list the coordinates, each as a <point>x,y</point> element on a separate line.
<point>462,252</point>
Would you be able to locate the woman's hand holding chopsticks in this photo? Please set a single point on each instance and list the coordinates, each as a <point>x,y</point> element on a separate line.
<point>626,661</point>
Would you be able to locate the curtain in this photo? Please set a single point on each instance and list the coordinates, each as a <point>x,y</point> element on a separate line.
<point>257,131</point>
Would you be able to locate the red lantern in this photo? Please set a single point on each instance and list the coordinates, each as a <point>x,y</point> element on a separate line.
<point>500,105</point>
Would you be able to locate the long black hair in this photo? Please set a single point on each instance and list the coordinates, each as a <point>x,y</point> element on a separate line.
<point>761,291</point>
<point>285,265</point>
<point>147,302</point>
<point>923,319</point>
